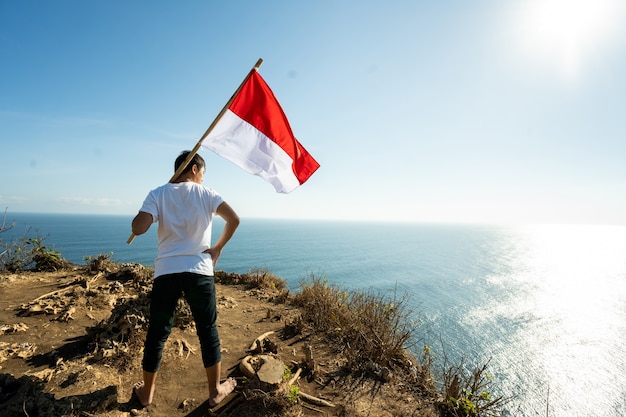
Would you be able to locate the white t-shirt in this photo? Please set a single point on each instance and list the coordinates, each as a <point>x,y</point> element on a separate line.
<point>184,212</point>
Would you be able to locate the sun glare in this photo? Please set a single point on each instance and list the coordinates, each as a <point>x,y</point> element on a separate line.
<point>564,33</point>
<point>575,265</point>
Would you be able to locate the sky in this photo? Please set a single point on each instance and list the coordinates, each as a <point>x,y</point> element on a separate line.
<point>460,111</point>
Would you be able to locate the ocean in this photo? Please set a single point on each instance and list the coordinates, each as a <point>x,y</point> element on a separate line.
<point>544,304</point>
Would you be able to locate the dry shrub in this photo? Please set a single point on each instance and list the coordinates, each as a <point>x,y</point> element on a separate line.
<point>380,330</point>
<point>183,317</point>
<point>255,278</point>
<point>264,279</point>
<point>322,305</point>
<point>228,278</point>
<point>115,339</point>
<point>139,275</point>
<point>265,283</point>
<point>101,263</point>
<point>371,331</point>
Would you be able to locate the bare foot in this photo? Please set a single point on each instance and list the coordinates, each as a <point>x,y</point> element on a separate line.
<point>223,390</point>
<point>145,398</point>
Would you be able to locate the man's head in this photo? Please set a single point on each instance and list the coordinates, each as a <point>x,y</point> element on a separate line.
<point>196,160</point>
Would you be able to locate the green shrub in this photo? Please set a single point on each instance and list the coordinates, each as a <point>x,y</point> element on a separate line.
<point>46,259</point>
<point>293,393</point>
<point>466,392</point>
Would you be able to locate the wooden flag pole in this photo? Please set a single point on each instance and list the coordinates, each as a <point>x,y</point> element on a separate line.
<point>196,148</point>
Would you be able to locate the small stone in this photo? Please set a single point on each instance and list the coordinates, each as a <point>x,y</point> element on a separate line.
<point>187,405</point>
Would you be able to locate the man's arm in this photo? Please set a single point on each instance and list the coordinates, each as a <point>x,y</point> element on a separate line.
<point>141,223</point>
<point>232,222</point>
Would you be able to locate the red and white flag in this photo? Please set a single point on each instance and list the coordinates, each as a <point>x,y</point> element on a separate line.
<point>255,135</point>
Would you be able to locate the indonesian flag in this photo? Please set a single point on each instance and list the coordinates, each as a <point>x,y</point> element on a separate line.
<point>255,135</point>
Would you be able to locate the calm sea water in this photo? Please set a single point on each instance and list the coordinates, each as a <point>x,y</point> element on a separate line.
<point>545,304</point>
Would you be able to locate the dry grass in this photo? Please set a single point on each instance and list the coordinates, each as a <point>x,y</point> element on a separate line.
<point>371,330</point>
<point>374,333</point>
<point>101,263</point>
<point>265,280</point>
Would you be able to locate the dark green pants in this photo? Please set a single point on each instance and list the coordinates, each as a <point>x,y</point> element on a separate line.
<point>199,291</point>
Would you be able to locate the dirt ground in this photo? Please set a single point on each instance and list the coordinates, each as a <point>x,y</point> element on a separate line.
<point>70,344</point>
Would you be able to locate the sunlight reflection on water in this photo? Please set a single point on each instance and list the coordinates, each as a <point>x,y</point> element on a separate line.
<point>561,319</point>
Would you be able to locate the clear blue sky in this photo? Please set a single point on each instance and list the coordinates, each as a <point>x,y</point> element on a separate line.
<point>461,111</point>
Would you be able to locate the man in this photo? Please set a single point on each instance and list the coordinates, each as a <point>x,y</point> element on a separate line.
<point>184,265</point>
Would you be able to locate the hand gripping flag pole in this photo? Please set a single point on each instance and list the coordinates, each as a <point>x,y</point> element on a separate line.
<point>195,149</point>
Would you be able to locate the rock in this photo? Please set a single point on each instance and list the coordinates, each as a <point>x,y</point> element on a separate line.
<point>268,369</point>
<point>271,371</point>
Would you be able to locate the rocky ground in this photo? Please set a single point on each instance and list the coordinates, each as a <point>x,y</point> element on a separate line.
<point>71,340</point>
